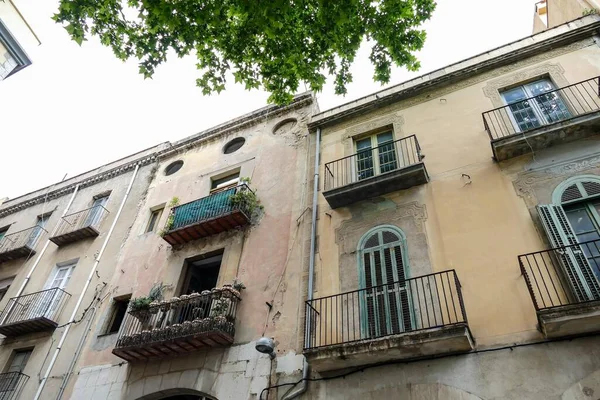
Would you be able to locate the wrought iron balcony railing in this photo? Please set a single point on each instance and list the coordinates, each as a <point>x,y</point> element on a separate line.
<point>20,244</point>
<point>33,312</point>
<point>545,109</point>
<point>179,325</point>
<point>11,384</point>
<point>209,215</point>
<point>563,276</point>
<point>388,157</point>
<point>425,302</point>
<point>79,225</point>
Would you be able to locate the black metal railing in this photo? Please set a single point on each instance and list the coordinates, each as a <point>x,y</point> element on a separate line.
<point>180,317</point>
<point>554,106</point>
<point>25,238</point>
<point>11,384</point>
<point>562,276</point>
<point>46,304</point>
<point>367,163</point>
<point>429,301</point>
<point>90,217</point>
<point>216,204</point>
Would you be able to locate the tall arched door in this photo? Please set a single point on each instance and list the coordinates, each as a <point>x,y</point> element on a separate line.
<point>383,270</point>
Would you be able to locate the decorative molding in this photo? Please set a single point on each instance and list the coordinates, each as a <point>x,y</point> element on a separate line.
<point>526,182</point>
<point>195,141</point>
<point>367,220</point>
<point>555,71</point>
<point>92,180</point>
<point>393,121</point>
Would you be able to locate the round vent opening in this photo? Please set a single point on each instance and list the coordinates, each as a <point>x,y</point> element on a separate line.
<point>234,145</point>
<point>173,167</point>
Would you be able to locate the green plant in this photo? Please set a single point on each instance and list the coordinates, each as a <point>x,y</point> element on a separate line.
<point>274,45</point>
<point>589,11</point>
<point>171,219</point>
<point>140,303</point>
<point>143,302</point>
<point>245,199</point>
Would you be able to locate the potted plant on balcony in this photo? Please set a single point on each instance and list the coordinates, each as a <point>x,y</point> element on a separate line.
<point>245,199</point>
<point>171,219</point>
<point>139,307</point>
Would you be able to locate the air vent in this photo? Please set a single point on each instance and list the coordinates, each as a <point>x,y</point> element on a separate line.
<point>591,188</point>
<point>571,193</point>
<point>372,241</point>
<point>390,237</point>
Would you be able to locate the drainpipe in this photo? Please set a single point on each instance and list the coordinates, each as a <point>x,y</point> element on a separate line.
<point>39,257</point>
<point>88,325</point>
<point>85,287</point>
<point>311,271</point>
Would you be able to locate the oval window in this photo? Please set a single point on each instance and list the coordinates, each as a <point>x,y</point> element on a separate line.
<point>234,145</point>
<point>173,167</point>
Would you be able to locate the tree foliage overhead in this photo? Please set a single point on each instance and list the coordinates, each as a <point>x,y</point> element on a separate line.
<point>273,44</point>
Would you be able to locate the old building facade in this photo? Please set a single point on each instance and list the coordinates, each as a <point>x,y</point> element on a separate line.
<point>438,239</point>
<point>439,197</point>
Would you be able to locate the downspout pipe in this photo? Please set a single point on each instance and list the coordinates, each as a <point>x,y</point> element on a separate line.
<point>88,325</point>
<point>311,271</point>
<point>85,287</point>
<point>41,253</point>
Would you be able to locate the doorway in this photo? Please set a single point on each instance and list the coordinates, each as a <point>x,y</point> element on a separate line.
<point>202,273</point>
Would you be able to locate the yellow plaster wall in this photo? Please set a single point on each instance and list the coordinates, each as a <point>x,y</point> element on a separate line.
<point>476,223</point>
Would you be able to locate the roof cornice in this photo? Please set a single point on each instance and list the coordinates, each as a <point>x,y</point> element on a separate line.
<point>161,151</point>
<point>561,35</point>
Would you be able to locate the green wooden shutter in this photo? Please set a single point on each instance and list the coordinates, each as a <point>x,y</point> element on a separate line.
<point>576,267</point>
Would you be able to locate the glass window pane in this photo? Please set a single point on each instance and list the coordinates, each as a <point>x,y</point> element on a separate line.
<point>539,87</point>
<point>580,221</point>
<point>514,95</point>
<point>384,137</point>
<point>363,144</point>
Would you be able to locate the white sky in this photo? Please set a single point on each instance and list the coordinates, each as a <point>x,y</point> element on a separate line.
<point>76,108</point>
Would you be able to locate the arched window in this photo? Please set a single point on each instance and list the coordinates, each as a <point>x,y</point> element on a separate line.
<point>573,222</point>
<point>383,270</point>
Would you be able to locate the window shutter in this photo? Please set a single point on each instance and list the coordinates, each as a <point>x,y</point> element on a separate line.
<point>575,265</point>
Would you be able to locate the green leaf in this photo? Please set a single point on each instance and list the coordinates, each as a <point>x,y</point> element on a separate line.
<point>276,45</point>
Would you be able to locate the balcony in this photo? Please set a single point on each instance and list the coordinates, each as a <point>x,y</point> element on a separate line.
<point>373,172</point>
<point>409,319</point>
<point>564,288</point>
<point>79,225</point>
<point>558,116</point>
<point>208,216</point>
<point>34,312</point>
<point>11,384</point>
<point>20,244</point>
<point>179,326</point>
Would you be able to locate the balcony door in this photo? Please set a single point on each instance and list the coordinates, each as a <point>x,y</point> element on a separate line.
<point>36,232</point>
<point>9,381</point>
<point>534,104</point>
<point>383,269</point>
<point>59,280</point>
<point>376,154</point>
<point>96,211</point>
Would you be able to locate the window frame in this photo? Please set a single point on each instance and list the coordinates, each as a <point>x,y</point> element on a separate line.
<point>227,181</point>
<point>363,284</point>
<point>534,106</point>
<point>14,49</point>
<point>375,153</point>
<point>158,211</point>
<point>13,354</point>
<point>113,312</point>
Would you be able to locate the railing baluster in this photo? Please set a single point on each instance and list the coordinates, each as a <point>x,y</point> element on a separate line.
<point>556,105</point>
<point>398,154</point>
<point>421,302</point>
